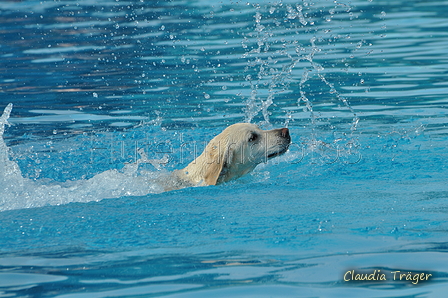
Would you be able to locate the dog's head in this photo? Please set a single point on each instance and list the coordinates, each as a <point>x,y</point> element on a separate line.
<point>239,149</point>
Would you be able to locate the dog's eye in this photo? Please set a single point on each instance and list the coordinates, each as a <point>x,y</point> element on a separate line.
<point>253,137</point>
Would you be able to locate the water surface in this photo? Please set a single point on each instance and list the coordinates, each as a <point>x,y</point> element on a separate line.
<point>361,86</point>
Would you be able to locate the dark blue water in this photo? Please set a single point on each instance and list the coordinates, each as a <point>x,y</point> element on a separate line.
<point>110,96</point>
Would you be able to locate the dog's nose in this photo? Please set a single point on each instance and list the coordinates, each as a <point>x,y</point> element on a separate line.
<point>285,133</point>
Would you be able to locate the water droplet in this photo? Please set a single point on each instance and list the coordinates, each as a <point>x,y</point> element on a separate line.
<point>207,96</point>
<point>95,94</point>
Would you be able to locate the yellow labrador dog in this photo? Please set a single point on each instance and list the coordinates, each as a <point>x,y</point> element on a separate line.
<point>233,153</point>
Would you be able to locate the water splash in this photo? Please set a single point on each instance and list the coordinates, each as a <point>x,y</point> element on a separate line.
<point>18,192</point>
<point>255,103</point>
<point>273,64</point>
<point>10,174</point>
<point>4,118</point>
<point>318,69</point>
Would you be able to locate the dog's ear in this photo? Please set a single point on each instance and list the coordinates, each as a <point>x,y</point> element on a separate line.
<point>218,156</point>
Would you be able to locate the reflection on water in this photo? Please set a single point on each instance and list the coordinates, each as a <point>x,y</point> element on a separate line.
<point>219,63</point>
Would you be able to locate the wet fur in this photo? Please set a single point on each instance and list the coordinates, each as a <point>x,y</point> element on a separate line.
<point>233,153</point>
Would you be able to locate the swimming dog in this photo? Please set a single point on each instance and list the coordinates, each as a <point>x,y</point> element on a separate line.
<point>233,153</point>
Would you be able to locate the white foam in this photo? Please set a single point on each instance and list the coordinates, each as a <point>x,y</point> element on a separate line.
<point>17,192</point>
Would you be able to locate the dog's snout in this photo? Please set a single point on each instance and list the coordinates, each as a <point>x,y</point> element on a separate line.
<point>285,133</point>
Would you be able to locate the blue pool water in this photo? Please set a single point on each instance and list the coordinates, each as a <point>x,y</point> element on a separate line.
<point>108,97</point>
